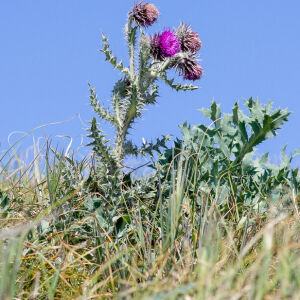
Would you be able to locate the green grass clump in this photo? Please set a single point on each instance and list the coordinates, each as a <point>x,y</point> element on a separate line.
<point>67,234</point>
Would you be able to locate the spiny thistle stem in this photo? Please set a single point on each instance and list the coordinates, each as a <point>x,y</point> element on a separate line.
<point>131,43</point>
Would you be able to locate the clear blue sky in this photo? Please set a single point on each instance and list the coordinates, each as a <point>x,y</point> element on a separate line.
<point>49,53</point>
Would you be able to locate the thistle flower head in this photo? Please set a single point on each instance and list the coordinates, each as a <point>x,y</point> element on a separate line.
<point>164,45</point>
<point>188,39</point>
<point>187,65</point>
<point>144,14</point>
<point>169,43</point>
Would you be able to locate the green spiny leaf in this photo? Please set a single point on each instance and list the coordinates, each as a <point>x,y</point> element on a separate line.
<point>112,59</point>
<point>100,147</point>
<point>177,86</point>
<point>99,109</point>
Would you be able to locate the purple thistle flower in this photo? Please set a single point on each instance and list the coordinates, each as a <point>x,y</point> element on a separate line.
<point>164,45</point>
<point>186,64</point>
<point>189,39</point>
<point>168,44</point>
<point>144,14</point>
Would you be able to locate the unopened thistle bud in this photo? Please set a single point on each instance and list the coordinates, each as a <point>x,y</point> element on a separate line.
<point>144,14</point>
<point>186,64</point>
<point>164,45</point>
<point>155,48</point>
<point>188,39</point>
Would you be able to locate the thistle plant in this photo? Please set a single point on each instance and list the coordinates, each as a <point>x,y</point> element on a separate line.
<point>150,57</point>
